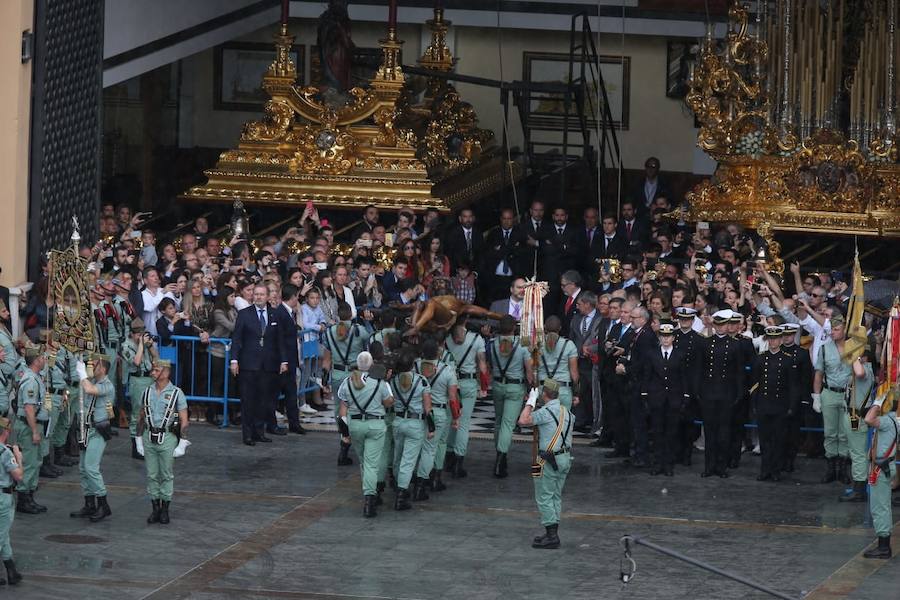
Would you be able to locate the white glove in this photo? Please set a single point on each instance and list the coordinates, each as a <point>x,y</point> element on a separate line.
<point>81,369</point>
<point>817,402</point>
<point>139,444</point>
<point>181,447</point>
<point>532,398</point>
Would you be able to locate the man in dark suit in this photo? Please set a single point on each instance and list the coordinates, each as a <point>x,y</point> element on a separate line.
<point>504,248</point>
<point>689,343</point>
<point>570,282</point>
<point>584,328</point>
<point>642,342</point>
<point>558,254</point>
<point>464,240</point>
<point>635,232</point>
<point>512,305</point>
<point>537,231</point>
<point>662,382</point>
<point>650,187</point>
<point>257,358</point>
<point>617,405</point>
<point>369,221</point>
<point>611,245</point>
<point>589,241</point>
<point>286,313</point>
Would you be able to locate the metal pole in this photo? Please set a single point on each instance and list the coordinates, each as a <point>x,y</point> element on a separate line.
<point>627,540</point>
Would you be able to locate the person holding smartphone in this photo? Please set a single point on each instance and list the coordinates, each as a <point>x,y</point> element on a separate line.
<point>138,353</point>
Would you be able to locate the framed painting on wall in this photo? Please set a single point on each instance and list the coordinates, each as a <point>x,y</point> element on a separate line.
<point>549,67</point>
<point>239,70</point>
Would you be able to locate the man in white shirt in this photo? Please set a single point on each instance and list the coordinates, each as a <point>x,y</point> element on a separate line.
<point>152,295</point>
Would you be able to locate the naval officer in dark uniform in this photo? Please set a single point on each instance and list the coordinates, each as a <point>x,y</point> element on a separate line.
<point>688,342</point>
<point>774,399</point>
<point>718,389</point>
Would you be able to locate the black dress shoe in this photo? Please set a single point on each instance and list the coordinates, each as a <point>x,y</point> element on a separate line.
<point>249,441</point>
<point>297,429</point>
<point>723,474</point>
<point>707,474</point>
<point>668,471</point>
<point>763,477</point>
<point>639,463</point>
<point>776,477</point>
<point>655,471</point>
<point>277,431</point>
<point>262,438</point>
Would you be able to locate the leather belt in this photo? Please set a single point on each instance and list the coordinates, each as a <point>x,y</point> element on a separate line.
<point>439,404</point>
<point>7,490</point>
<point>56,390</point>
<point>507,380</point>
<point>339,368</point>
<point>561,383</point>
<point>836,390</point>
<point>561,451</point>
<point>367,417</point>
<point>467,376</point>
<point>141,374</point>
<point>410,415</point>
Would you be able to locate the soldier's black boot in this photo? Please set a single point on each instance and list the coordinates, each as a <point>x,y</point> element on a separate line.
<point>549,540</point>
<point>164,512</point>
<point>497,466</point>
<point>844,471</point>
<point>379,489</point>
<point>47,469</point>
<point>13,576</point>
<point>830,470</point>
<point>154,515</point>
<point>24,504</point>
<point>401,502</point>
<point>344,457</point>
<point>449,461</point>
<point>89,508</point>
<point>39,507</point>
<point>458,471</point>
<point>420,489</point>
<point>102,511</point>
<point>858,494</point>
<point>437,483</point>
<point>62,459</point>
<point>883,550</point>
<point>134,453</point>
<point>369,506</point>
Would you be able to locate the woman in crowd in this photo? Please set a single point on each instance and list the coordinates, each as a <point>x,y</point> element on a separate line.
<point>433,263</point>
<point>223,318</point>
<point>198,311</point>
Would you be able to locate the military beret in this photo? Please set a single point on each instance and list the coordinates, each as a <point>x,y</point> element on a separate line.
<point>774,331</point>
<point>837,320</point>
<point>161,363</point>
<point>137,325</point>
<point>32,351</point>
<point>551,385</point>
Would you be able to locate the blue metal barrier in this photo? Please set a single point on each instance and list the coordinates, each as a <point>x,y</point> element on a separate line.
<point>200,389</point>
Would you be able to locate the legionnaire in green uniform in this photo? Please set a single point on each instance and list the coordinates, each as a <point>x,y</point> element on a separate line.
<point>381,370</point>
<point>859,393</point>
<point>388,321</point>
<point>138,353</point>
<point>881,470</point>
<point>8,360</point>
<point>444,413</point>
<point>363,400</point>
<point>470,361</point>
<point>11,472</point>
<point>65,363</point>
<point>32,415</point>
<point>412,407</point>
<point>161,429</point>
<point>559,362</point>
<point>116,330</point>
<point>829,386</point>
<point>554,423</point>
<point>512,371</point>
<point>343,341</point>
<point>99,396</point>
<point>57,390</point>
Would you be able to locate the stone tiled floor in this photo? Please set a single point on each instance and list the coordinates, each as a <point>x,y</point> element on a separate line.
<point>282,521</point>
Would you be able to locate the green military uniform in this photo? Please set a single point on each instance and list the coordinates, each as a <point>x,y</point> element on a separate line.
<point>364,397</point>
<point>884,448</point>
<point>409,424</point>
<point>160,414</point>
<point>7,368</point>
<point>441,378</point>
<point>31,391</point>
<point>554,424</point>
<point>837,376</point>
<point>8,464</point>
<point>138,377</point>
<point>344,352</point>
<point>508,358</point>
<point>554,364</point>
<point>65,362</point>
<point>465,358</point>
<point>380,336</point>
<point>857,440</point>
<point>97,410</point>
<point>57,386</point>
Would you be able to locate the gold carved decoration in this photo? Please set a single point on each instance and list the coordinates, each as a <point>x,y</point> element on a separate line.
<point>369,145</point>
<point>73,326</point>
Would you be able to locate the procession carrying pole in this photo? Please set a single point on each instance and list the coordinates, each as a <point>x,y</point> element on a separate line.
<point>531,335</point>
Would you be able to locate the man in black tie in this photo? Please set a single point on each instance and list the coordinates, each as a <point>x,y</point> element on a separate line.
<point>582,331</point>
<point>559,253</point>
<point>612,245</point>
<point>257,358</point>
<point>588,239</point>
<point>537,232</point>
<point>464,241</point>
<point>643,342</point>
<point>503,256</point>
<point>286,313</point>
<point>634,231</point>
